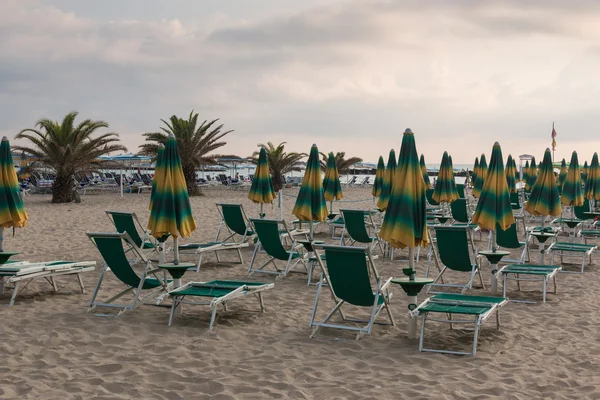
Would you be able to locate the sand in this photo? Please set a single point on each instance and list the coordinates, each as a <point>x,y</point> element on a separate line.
<point>51,348</point>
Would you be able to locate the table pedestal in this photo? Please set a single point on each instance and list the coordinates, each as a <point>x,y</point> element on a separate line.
<point>177,271</point>
<point>542,237</point>
<point>412,287</point>
<point>494,258</point>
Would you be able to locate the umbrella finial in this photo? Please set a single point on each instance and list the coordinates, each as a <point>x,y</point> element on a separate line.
<point>171,136</point>
<point>4,139</point>
<point>408,131</point>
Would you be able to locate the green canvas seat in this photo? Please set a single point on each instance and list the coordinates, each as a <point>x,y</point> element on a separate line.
<point>234,219</point>
<point>509,240</point>
<point>216,293</point>
<point>455,252</point>
<point>430,201</point>
<point>475,310</point>
<point>461,217</point>
<point>563,249</point>
<point>347,275</point>
<point>355,226</point>
<point>270,239</point>
<point>529,272</point>
<point>460,188</point>
<point>143,288</point>
<point>130,223</point>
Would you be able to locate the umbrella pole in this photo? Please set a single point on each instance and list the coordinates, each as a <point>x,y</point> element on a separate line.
<point>494,278</point>
<point>412,300</point>
<point>261,215</point>
<point>121,181</point>
<point>1,239</point>
<point>279,194</point>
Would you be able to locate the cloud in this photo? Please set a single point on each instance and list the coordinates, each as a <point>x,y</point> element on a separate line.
<point>352,74</point>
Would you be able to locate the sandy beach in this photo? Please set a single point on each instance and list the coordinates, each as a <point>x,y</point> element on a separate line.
<point>51,348</point>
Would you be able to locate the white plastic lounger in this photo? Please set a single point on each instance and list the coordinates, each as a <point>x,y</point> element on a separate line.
<point>199,249</point>
<point>217,293</point>
<point>532,272</point>
<point>478,307</point>
<point>23,272</point>
<point>563,249</point>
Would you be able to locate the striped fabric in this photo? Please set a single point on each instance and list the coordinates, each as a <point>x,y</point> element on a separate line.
<point>379,174</point>
<point>531,175</point>
<point>445,187</point>
<point>481,174</point>
<point>544,199</point>
<point>12,211</point>
<point>332,189</point>
<point>261,190</point>
<point>310,203</point>
<point>510,175</point>
<point>592,183</point>
<point>563,173</point>
<point>388,179</point>
<point>425,173</point>
<point>572,192</point>
<point>475,171</point>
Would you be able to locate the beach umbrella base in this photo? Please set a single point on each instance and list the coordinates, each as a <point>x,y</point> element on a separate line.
<point>5,255</point>
<point>494,257</point>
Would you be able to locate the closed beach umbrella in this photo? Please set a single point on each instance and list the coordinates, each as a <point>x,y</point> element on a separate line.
<point>445,188</point>
<point>425,173</point>
<point>481,174</point>
<point>531,175</point>
<point>584,172</point>
<point>544,199</point>
<point>510,175</point>
<point>379,174</point>
<point>388,179</point>
<point>310,203</point>
<point>332,189</point>
<point>515,170</point>
<point>12,211</point>
<point>572,192</point>
<point>592,183</point>
<point>157,169</point>
<point>261,191</point>
<point>453,180</point>
<point>563,173</point>
<point>171,212</point>
<point>475,171</point>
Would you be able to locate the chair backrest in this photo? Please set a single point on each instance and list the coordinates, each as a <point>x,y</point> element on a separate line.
<point>355,225</point>
<point>349,274</point>
<point>579,211</point>
<point>508,238</point>
<point>234,217</point>
<point>453,247</point>
<point>458,208</point>
<point>460,188</point>
<point>110,246</point>
<point>269,237</point>
<point>125,222</point>
<point>430,200</point>
<point>515,201</point>
<point>352,180</point>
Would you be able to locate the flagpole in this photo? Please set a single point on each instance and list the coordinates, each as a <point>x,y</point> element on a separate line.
<point>553,141</point>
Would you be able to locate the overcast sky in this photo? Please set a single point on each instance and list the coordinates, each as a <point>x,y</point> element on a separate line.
<point>347,75</point>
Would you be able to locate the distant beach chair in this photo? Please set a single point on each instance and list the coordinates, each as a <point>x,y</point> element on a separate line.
<point>269,238</point>
<point>356,228</point>
<point>351,182</point>
<point>217,293</point>
<point>364,182</point>
<point>347,276</point>
<point>456,252</point>
<point>129,222</point>
<point>480,308</point>
<point>431,203</point>
<point>112,251</point>
<point>23,272</point>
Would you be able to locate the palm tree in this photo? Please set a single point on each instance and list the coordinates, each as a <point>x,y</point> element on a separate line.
<point>194,143</point>
<point>341,162</point>
<point>68,149</point>
<point>280,162</point>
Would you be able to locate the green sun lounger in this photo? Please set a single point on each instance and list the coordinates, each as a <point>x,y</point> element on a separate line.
<point>563,249</point>
<point>356,228</point>
<point>530,272</point>
<point>216,293</point>
<point>509,239</point>
<point>21,273</point>
<point>130,223</point>
<point>475,310</point>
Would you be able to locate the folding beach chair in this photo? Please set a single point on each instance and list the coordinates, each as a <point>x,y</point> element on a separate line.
<point>454,254</point>
<point>460,188</point>
<point>22,273</point>
<point>269,238</point>
<point>529,272</point>
<point>347,277</point>
<point>129,222</point>
<point>563,249</point>
<point>234,219</point>
<point>217,293</point>
<point>460,214</point>
<point>509,239</point>
<point>355,225</point>
<point>480,308</point>
<point>111,248</point>
<point>431,203</point>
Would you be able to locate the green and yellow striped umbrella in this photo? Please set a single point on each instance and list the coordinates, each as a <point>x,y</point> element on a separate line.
<point>544,199</point>
<point>171,212</point>
<point>157,170</point>
<point>310,203</point>
<point>572,192</point>
<point>475,171</point>
<point>510,175</point>
<point>515,170</point>
<point>525,173</point>
<point>388,179</point>
<point>425,173</point>
<point>445,188</point>
<point>12,211</point>
<point>494,208</point>
<point>592,183</point>
<point>453,180</point>
<point>481,174</point>
<point>531,175</point>
<point>332,189</point>
<point>563,173</point>
<point>405,220</point>
<point>379,174</point>
<point>584,172</point>
<point>261,191</point>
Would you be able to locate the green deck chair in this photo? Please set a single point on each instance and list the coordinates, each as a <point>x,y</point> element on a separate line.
<point>234,219</point>
<point>454,254</point>
<point>478,308</point>
<point>347,277</point>
<point>269,238</point>
<point>430,201</point>
<point>356,227</point>
<point>460,188</point>
<point>130,223</point>
<point>460,215</point>
<point>509,239</point>
<point>217,293</point>
<point>111,248</point>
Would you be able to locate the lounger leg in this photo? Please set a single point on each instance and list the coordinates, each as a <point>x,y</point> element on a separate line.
<point>212,318</point>
<point>217,256</point>
<point>518,282</point>
<point>475,337</point>
<point>554,280</point>
<point>173,306</point>
<point>240,254</point>
<point>314,310</point>
<point>253,259</point>
<point>545,283</point>
<point>15,293</point>
<point>504,285</point>
<point>80,283</point>
<point>96,289</point>
<point>53,283</point>
<point>199,262</point>
<point>422,335</point>
<point>260,301</point>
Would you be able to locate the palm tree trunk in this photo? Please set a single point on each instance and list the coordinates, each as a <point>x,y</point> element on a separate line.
<point>62,188</point>
<point>276,180</point>
<point>189,172</point>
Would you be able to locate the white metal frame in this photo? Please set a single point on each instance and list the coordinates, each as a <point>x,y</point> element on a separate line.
<point>534,273</point>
